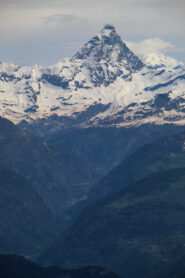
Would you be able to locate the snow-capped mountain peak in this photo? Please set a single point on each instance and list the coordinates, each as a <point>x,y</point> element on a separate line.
<point>107,47</point>
<point>108,31</point>
<point>103,83</point>
<point>157,59</point>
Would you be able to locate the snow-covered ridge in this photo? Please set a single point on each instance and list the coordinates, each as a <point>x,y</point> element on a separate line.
<point>157,59</point>
<point>105,81</point>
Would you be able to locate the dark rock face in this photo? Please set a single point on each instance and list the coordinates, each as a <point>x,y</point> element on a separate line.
<point>55,80</point>
<point>45,127</point>
<point>161,85</point>
<point>105,50</point>
<point>108,46</point>
<point>83,83</point>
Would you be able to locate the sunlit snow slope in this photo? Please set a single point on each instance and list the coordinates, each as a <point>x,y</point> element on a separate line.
<point>104,83</point>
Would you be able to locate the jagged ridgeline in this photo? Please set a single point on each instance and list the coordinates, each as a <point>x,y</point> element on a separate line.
<point>92,111</point>
<point>103,84</point>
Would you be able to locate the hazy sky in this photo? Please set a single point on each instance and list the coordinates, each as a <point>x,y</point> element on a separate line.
<point>45,31</point>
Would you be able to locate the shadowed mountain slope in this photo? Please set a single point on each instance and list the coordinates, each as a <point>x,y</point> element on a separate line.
<point>105,148</point>
<point>57,176</point>
<point>138,232</point>
<point>26,219</point>
<point>165,153</point>
<point>19,267</point>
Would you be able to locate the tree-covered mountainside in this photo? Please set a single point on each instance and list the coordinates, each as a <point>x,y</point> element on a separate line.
<point>38,186</point>
<point>138,232</point>
<point>12,266</point>
<point>26,219</point>
<point>105,148</point>
<point>61,179</point>
<point>165,153</point>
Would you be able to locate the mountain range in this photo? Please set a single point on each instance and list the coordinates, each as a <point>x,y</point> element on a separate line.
<point>136,227</point>
<point>165,153</point>
<point>92,165</point>
<point>103,84</point>
<point>38,184</point>
<point>54,173</point>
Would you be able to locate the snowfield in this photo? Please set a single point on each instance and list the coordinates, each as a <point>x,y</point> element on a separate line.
<point>131,90</point>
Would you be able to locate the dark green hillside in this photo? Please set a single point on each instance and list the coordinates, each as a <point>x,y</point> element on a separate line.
<point>58,177</point>
<point>105,147</point>
<point>12,266</point>
<point>165,153</point>
<point>26,220</point>
<point>139,232</point>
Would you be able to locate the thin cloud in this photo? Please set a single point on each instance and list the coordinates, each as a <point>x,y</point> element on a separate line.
<point>150,45</point>
<point>62,18</point>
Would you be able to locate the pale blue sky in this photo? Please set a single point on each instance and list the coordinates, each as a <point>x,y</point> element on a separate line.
<point>44,32</point>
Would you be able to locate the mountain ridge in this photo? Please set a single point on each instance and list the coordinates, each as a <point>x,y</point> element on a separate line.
<point>46,167</point>
<point>138,231</point>
<point>164,153</point>
<point>107,46</point>
<point>20,267</point>
<point>26,217</point>
<point>103,84</point>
